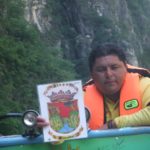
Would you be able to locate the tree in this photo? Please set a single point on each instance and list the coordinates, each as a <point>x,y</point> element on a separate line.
<point>25,61</point>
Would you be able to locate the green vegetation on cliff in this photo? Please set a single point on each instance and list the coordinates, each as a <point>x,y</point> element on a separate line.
<point>25,61</point>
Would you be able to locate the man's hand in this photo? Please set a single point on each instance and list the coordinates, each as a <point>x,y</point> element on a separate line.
<point>41,122</point>
<point>104,127</point>
<point>109,125</point>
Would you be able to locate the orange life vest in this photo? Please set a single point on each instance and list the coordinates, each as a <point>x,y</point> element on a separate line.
<point>130,100</point>
<point>142,71</point>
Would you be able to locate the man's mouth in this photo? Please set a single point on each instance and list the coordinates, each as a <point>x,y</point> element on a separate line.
<point>109,82</point>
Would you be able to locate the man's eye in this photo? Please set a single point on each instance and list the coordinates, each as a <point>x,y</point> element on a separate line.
<point>114,67</point>
<point>100,69</point>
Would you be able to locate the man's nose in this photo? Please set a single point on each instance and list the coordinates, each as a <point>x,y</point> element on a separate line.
<point>109,72</point>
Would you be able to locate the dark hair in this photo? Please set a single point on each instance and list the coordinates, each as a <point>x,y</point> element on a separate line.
<point>105,50</point>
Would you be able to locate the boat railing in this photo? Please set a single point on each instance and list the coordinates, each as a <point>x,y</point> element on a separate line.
<point>11,140</point>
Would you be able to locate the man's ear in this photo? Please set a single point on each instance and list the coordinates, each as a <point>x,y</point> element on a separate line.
<point>126,66</point>
<point>91,75</point>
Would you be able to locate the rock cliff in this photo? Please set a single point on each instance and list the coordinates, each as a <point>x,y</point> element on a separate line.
<point>77,25</point>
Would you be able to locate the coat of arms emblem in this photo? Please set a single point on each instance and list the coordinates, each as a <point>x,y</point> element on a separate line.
<point>64,104</point>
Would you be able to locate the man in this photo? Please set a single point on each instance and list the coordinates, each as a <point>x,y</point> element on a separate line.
<point>114,98</point>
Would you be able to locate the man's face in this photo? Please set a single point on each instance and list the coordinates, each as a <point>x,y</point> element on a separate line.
<point>108,74</point>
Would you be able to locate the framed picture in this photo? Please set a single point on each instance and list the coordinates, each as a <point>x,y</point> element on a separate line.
<point>62,105</point>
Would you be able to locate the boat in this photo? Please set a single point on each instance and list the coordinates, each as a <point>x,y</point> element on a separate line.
<point>112,139</point>
<point>128,138</point>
